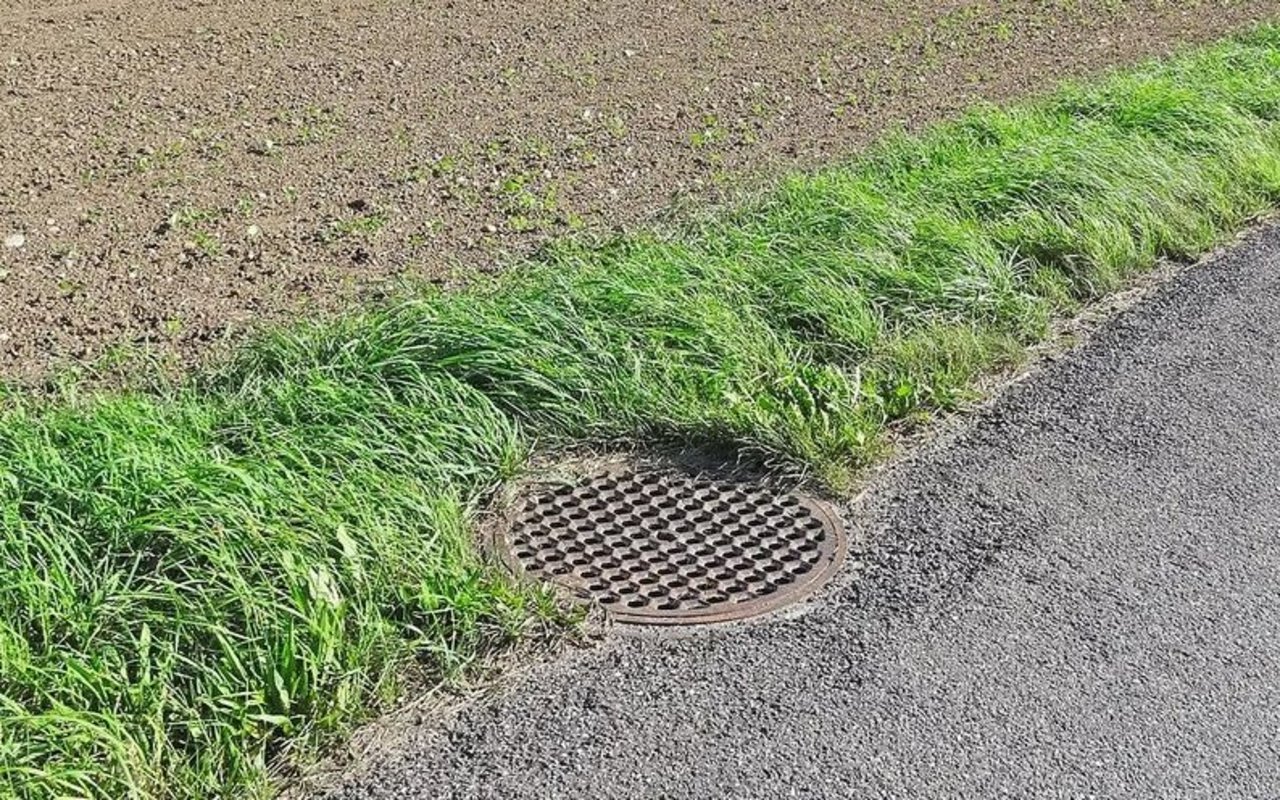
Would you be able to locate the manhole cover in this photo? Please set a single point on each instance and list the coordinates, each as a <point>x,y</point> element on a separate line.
<point>663,547</point>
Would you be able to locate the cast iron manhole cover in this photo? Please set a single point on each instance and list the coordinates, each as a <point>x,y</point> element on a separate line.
<point>664,547</point>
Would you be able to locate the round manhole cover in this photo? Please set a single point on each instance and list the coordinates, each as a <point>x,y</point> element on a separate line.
<point>664,547</point>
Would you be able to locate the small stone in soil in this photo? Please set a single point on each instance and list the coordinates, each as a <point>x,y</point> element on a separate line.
<point>14,240</point>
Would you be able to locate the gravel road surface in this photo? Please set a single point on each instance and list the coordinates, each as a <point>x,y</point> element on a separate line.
<point>1076,594</point>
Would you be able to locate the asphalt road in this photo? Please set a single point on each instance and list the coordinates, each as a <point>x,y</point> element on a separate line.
<point>1077,594</point>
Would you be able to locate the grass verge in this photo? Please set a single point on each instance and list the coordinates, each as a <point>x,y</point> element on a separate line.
<point>202,581</point>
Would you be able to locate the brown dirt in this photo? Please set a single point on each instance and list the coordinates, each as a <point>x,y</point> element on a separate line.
<point>179,172</point>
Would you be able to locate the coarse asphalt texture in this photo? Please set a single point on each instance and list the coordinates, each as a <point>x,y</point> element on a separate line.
<point>1074,594</point>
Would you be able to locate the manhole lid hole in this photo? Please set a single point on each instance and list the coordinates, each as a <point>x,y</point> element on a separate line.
<point>665,547</point>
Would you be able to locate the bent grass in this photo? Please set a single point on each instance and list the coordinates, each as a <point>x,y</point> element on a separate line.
<point>202,583</point>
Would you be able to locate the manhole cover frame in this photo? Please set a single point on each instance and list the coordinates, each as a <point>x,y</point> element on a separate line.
<point>833,550</point>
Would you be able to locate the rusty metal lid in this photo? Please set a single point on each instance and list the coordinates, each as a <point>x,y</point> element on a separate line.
<point>666,547</point>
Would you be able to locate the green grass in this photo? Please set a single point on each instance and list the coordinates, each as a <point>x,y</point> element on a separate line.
<point>201,581</point>
<point>363,225</point>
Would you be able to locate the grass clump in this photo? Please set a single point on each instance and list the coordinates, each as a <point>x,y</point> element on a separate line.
<point>200,583</point>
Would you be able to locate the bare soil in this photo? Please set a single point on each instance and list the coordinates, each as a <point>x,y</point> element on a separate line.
<point>173,174</point>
